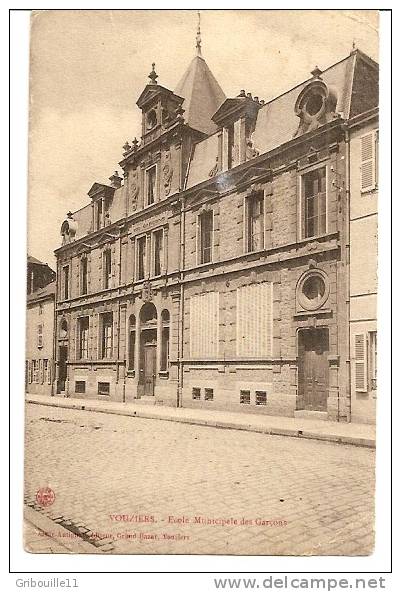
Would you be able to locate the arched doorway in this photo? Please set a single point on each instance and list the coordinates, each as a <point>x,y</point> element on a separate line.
<point>148,350</point>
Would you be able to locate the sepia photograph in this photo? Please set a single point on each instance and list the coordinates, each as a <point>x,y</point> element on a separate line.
<point>202,270</point>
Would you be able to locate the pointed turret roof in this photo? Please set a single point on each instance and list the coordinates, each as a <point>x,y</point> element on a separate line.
<point>202,95</point>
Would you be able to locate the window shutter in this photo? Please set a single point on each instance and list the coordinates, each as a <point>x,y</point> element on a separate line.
<point>360,362</point>
<point>368,165</point>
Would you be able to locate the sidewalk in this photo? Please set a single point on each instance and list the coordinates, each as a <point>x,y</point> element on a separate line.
<point>340,433</point>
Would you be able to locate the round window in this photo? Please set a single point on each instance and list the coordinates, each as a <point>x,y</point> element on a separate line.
<point>313,291</point>
<point>314,104</point>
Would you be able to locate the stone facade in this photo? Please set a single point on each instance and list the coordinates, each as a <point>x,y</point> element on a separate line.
<point>39,364</point>
<point>214,272</point>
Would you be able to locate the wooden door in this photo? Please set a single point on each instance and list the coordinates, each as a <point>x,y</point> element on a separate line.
<point>62,368</point>
<point>150,369</point>
<point>313,375</point>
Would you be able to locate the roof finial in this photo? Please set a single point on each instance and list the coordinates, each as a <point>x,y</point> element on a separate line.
<point>198,37</point>
<point>153,76</point>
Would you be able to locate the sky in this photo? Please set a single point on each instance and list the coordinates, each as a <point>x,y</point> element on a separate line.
<point>88,68</point>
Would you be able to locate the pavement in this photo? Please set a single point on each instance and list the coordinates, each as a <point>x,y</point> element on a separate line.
<point>133,485</point>
<point>337,432</point>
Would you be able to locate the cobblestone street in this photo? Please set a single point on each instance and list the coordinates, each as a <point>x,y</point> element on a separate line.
<point>131,485</point>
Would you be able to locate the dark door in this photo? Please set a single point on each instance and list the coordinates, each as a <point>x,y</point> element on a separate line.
<point>62,368</point>
<point>313,377</point>
<point>150,369</point>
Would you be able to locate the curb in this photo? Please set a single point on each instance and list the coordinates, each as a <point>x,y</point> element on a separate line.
<point>46,525</point>
<point>228,425</point>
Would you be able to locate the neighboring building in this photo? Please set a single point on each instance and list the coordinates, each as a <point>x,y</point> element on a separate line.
<point>364,141</point>
<point>38,275</point>
<point>39,365</point>
<point>216,274</point>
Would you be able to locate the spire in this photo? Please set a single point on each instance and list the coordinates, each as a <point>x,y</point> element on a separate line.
<point>198,37</point>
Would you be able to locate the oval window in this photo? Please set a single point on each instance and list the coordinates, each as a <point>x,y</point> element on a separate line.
<point>312,291</point>
<point>314,104</point>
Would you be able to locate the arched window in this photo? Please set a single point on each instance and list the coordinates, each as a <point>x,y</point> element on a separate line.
<point>165,345</point>
<point>131,342</point>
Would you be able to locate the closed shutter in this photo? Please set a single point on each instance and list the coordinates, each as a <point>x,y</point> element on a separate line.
<point>360,362</point>
<point>204,325</point>
<point>255,320</point>
<point>368,165</point>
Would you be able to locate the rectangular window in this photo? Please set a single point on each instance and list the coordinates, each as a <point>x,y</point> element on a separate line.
<point>314,203</point>
<point>107,335</point>
<point>204,325</point>
<point>35,371</point>
<point>260,397</point>
<point>141,258</point>
<point>107,268</point>
<point>103,388</point>
<point>84,275</point>
<point>196,393</point>
<point>230,146</point>
<point>40,335</point>
<point>99,214</point>
<point>256,225</point>
<point>151,189</point>
<point>80,386</point>
<point>40,309</point>
<point>46,371</point>
<point>245,397</point>
<point>208,394</point>
<point>66,282</point>
<point>158,252</point>
<point>83,332</point>
<point>255,320</point>
<point>205,237</point>
<point>41,373</point>
<point>369,161</point>
<point>30,371</point>
<point>165,345</point>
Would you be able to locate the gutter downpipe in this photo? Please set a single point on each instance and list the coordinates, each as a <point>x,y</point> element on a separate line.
<point>181,276</point>
<point>347,262</point>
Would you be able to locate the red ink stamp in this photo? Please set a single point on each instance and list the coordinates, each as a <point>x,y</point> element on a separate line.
<point>45,496</point>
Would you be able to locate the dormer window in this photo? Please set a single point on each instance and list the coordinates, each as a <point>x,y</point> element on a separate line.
<point>151,120</point>
<point>314,104</point>
<point>99,214</point>
<point>230,146</point>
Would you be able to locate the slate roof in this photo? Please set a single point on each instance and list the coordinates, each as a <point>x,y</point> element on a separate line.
<point>48,291</point>
<point>202,95</point>
<point>354,80</point>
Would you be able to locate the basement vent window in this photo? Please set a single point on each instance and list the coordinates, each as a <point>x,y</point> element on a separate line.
<point>245,397</point>
<point>80,386</point>
<point>260,398</point>
<point>196,393</point>
<point>103,388</point>
<point>208,394</point>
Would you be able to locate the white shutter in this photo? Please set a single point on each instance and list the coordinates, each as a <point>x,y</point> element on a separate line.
<point>360,362</point>
<point>368,165</point>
